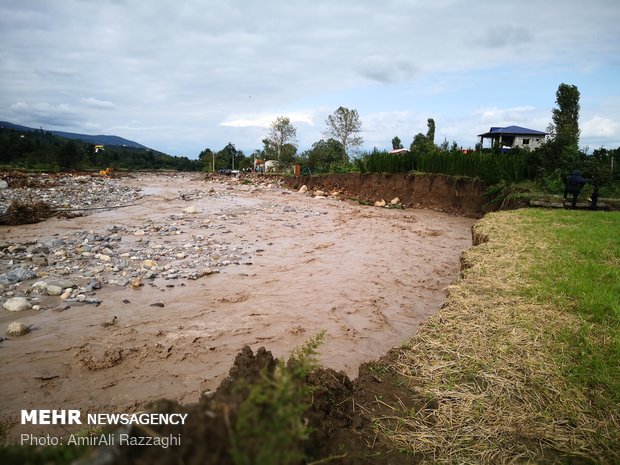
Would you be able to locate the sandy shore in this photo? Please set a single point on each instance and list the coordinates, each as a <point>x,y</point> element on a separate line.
<point>295,265</point>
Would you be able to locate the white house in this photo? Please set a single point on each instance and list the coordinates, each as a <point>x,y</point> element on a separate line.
<point>514,136</point>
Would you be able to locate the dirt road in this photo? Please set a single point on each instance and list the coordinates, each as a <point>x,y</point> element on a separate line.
<point>273,268</point>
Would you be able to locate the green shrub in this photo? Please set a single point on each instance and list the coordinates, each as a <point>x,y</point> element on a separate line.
<point>270,427</point>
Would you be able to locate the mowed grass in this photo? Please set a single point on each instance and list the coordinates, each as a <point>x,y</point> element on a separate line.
<point>581,275</point>
<point>522,364</point>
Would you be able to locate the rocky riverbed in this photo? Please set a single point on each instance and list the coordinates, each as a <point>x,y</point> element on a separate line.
<point>161,279</point>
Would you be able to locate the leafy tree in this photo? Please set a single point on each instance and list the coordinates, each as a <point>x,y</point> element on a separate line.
<point>287,156</point>
<point>229,158</point>
<point>396,143</point>
<point>269,151</point>
<point>420,144</point>
<point>344,126</point>
<point>565,126</point>
<point>430,133</point>
<point>599,167</point>
<point>206,158</point>
<point>325,153</point>
<point>282,133</point>
<point>425,143</point>
<point>561,152</point>
<point>69,156</point>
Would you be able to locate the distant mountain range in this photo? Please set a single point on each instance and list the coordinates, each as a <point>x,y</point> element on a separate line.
<point>98,139</point>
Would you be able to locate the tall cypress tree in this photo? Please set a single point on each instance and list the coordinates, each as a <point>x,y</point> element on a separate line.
<point>566,116</point>
<point>562,150</point>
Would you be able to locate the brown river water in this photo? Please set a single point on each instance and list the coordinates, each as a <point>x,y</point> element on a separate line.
<point>365,275</point>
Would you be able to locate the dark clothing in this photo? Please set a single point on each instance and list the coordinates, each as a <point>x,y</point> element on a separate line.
<point>594,199</point>
<point>574,184</point>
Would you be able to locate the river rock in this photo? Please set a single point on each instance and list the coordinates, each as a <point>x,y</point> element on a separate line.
<point>199,274</point>
<point>303,189</point>
<point>395,201</point>
<point>53,290</point>
<point>17,328</point>
<point>39,260</point>
<point>40,249</point>
<point>65,295</point>
<point>4,184</point>
<point>16,276</point>
<point>380,203</point>
<point>190,210</point>
<point>16,304</point>
<point>149,264</point>
<point>65,283</point>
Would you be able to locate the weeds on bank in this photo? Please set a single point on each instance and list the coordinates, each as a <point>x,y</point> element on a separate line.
<point>270,427</point>
<point>523,359</point>
<point>15,454</point>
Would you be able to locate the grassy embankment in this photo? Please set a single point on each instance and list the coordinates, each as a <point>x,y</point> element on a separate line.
<point>522,365</point>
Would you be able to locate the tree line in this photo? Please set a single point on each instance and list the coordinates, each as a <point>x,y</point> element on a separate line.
<point>547,165</point>
<point>342,137</point>
<point>44,151</point>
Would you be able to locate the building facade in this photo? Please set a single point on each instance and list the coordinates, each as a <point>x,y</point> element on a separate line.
<point>514,136</point>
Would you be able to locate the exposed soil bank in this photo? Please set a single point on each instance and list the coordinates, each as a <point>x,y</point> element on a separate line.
<point>340,418</point>
<point>461,196</point>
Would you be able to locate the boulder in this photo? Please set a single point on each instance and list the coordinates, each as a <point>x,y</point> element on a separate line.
<point>16,304</point>
<point>303,189</point>
<point>380,203</point>
<point>53,290</point>
<point>17,328</point>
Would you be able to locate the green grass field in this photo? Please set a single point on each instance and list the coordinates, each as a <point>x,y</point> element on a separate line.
<point>522,365</point>
<point>581,275</point>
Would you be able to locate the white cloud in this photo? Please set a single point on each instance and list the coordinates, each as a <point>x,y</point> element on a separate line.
<point>265,120</point>
<point>43,114</point>
<point>598,126</point>
<point>502,116</point>
<point>96,103</point>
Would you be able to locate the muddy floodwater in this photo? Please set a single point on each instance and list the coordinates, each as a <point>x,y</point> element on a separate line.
<point>273,267</point>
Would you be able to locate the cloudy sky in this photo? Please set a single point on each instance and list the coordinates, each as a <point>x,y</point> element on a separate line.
<point>181,76</point>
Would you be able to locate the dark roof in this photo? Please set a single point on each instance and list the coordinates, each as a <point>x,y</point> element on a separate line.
<point>513,131</point>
